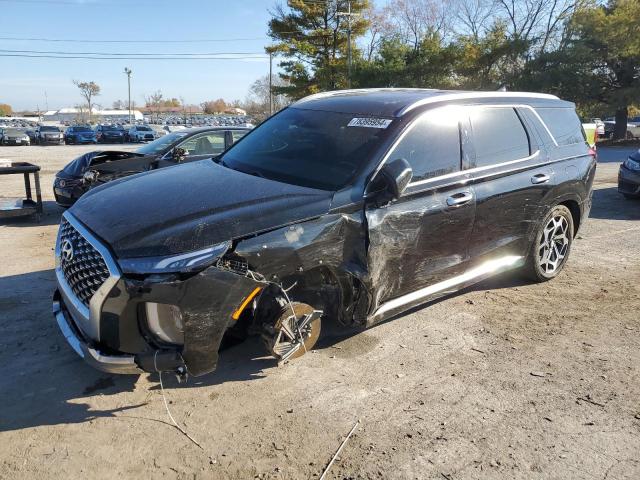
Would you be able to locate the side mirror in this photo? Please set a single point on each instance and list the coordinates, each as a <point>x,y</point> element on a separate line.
<point>179,154</point>
<point>392,180</point>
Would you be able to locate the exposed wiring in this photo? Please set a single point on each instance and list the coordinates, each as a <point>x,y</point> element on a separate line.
<point>166,405</point>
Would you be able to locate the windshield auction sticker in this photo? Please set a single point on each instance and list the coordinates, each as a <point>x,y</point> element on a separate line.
<point>369,122</point>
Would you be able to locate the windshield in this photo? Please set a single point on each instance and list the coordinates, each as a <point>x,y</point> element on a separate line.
<point>143,129</point>
<point>111,128</point>
<point>49,129</point>
<point>309,148</point>
<point>81,129</point>
<point>161,144</point>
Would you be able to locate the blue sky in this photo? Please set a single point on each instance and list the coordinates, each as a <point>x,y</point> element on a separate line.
<point>23,81</point>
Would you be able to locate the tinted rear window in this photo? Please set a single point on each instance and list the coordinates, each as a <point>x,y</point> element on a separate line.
<point>432,146</point>
<point>498,136</point>
<point>564,125</point>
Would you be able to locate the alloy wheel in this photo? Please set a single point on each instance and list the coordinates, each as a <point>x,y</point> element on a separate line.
<point>554,244</point>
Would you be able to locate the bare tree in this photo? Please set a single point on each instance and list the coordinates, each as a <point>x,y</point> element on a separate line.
<point>154,102</point>
<point>412,20</point>
<point>537,22</point>
<point>473,16</point>
<point>378,19</point>
<point>88,90</point>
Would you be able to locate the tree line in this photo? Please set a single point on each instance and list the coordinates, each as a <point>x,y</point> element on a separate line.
<point>586,51</point>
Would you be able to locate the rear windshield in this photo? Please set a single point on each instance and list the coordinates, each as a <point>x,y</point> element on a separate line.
<point>13,131</point>
<point>564,125</point>
<point>309,148</point>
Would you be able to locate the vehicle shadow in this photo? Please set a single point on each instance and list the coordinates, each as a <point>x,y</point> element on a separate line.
<point>51,215</point>
<point>609,204</point>
<point>44,382</point>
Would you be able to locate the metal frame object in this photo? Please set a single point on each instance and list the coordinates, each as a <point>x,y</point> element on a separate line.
<point>18,207</point>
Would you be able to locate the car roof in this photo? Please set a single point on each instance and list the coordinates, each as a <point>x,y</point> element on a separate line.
<point>396,102</point>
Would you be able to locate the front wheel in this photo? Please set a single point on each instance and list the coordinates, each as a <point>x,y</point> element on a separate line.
<point>551,246</point>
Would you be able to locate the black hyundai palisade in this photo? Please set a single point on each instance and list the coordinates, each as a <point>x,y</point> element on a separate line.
<point>346,208</point>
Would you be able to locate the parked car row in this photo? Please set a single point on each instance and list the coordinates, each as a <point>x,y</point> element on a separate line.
<point>345,208</point>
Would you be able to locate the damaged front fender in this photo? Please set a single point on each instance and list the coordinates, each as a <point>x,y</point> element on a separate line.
<point>206,301</point>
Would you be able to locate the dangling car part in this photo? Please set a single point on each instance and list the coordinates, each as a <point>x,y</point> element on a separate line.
<point>295,331</point>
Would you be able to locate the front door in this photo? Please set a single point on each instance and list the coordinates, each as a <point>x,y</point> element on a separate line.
<point>421,239</point>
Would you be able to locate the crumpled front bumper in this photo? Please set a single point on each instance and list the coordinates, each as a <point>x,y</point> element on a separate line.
<point>110,331</point>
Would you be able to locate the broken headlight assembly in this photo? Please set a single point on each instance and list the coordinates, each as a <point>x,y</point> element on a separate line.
<point>183,262</point>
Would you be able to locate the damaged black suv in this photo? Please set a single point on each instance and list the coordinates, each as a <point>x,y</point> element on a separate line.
<point>347,207</point>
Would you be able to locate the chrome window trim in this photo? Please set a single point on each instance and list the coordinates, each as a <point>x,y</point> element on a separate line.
<point>91,316</point>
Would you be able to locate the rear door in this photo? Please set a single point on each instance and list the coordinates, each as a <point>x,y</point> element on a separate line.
<point>510,173</point>
<point>421,238</point>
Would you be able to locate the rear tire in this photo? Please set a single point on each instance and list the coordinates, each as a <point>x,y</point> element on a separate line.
<point>551,246</point>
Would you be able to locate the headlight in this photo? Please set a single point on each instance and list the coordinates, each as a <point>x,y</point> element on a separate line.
<point>632,164</point>
<point>184,262</point>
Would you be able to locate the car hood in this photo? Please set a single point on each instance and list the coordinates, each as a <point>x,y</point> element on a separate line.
<point>77,167</point>
<point>192,206</point>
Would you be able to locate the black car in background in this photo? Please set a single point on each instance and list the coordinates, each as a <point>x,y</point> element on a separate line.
<point>46,134</point>
<point>79,134</point>
<point>629,177</point>
<point>14,136</point>
<point>110,134</point>
<point>99,167</point>
<point>345,208</point>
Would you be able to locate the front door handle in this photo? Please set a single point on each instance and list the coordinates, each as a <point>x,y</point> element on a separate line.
<point>459,199</point>
<point>540,178</point>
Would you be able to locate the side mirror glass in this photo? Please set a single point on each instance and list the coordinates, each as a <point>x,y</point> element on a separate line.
<point>392,180</point>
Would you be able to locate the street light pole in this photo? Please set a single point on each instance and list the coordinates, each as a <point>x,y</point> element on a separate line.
<point>127,71</point>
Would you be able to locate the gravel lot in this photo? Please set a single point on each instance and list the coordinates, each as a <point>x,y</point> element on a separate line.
<point>505,380</point>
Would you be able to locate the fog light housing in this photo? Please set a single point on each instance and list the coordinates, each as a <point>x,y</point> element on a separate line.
<point>165,322</point>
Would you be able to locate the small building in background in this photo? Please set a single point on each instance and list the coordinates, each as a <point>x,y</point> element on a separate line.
<point>79,115</point>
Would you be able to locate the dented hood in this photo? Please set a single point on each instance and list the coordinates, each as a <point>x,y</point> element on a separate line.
<point>192,206</point>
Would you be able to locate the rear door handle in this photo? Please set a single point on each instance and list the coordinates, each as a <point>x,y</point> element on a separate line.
<point>540,178</point>
<point>459,199</point>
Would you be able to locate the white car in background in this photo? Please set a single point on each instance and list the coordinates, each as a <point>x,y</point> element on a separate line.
<point>141,133</point>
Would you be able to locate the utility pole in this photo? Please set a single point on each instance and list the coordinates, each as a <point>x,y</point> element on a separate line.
<point>270,83</point>
<point>348,14</point>
<point>127,71</point>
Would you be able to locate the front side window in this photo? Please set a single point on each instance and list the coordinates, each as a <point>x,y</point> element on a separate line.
<point>432,144</point>
<point>309,148</point>
<point>564,125</point>
<point>211,143</point>
<point>498,135</point>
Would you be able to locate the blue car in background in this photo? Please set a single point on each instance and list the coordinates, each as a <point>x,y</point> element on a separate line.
<point>79,135</point>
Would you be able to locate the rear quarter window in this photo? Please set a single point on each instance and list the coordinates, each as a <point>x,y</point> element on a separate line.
<point>563,124</point>
<point>498,135</point>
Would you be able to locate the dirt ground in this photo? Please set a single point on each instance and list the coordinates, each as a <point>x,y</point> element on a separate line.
<point>505,380</point>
